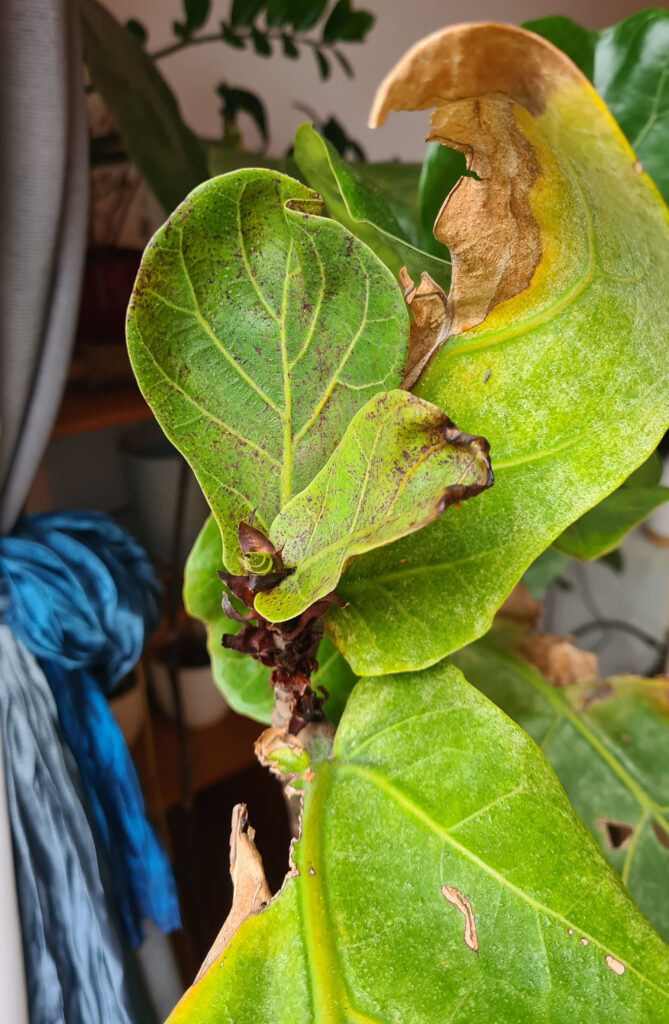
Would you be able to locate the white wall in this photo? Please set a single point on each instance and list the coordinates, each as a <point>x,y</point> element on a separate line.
<point>194,73</point>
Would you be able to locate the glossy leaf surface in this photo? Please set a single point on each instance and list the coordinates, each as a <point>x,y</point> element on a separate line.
<point>361,209</point>
<point>607,743</point>
<point>443,876</point>
<point>243,681</point>
<point>165,150</point>
<point>559,358</point>
<point>399,465</point>
<point>628,66</point>
<point>256,331</point>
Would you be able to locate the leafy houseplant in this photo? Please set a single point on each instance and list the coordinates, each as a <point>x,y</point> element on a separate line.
<point>442,873</point>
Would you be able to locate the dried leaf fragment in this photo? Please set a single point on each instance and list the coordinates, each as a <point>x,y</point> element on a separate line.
<point>461,902</point>
<point>477,77</point>
<point>558,660</point>
<point>430,326</point>
<point>251,892</point>
<point>520,607</point>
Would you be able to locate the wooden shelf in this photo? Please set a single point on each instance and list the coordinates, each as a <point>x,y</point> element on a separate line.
<point>93,410</point>
<point>216,752</point>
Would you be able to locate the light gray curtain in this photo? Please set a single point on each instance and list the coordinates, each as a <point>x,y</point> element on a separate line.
<point>43,209</point>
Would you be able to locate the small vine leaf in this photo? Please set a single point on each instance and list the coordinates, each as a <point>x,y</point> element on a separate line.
<point>244,682</point>
<point>256,330</point>
<point>399,465</point>
<point>566,375</point>
<point>442,873</point>
<point>360,208</point>
<point>602,739</point>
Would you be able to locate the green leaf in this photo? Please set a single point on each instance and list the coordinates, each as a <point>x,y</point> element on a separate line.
<point>231,38</point>
<point>442,876</point>
<point>256,330</point>
<point>345,25</point>
<point>305,13</point>
<point>165,151</point>
<point>322,63</point>
<point>289,48</point>
<point>628,67</point>
<point>261,43</point>
<point>360,208</point>
<point>197,12</point>
<point>243,12</point>
<point>137,29</point>
<point>567,378</point>
<point>236,101</point>
<point>604,741</point>
<point>397,183</point>
<point>278,13</point>
<point>244,682</point>
<point>544,570</point>
<point>344,63</point>
<point>399,465</point>
<point>601,529</point>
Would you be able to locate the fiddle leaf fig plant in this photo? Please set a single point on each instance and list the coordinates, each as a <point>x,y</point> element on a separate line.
<point>314,384</point>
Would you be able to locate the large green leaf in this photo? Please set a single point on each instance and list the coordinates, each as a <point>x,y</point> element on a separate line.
<point>628,67</point>
<point>243,681</point>
<point>399,465</point>
<point>442,876</point>
<point>256,330</point>
<point>164,149</point>
<point>361,209</point>
<point>607,743</point>
<point>567,378</point>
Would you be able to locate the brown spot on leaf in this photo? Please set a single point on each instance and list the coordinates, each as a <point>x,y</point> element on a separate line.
<point>637,167</point>
<point>614,965</point>
<point>616,833</point>
<point>583,941</point>
<point>461,902</point>
<point>661,836</point>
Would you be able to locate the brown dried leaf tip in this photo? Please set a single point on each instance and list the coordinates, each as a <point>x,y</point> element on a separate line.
<point>251,893</point>
<point>288,648</point>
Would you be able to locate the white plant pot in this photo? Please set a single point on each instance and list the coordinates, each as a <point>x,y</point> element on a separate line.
<point>202,702</point>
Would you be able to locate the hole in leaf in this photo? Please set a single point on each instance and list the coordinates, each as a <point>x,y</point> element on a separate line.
<point>616,833</point>
<point>661,835</point>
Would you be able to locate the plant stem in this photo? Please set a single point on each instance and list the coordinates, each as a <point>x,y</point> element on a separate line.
<point>213,37</point>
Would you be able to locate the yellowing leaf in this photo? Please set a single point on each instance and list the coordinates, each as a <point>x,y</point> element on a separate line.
<point>559,316</point>
<point>400,463</point>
